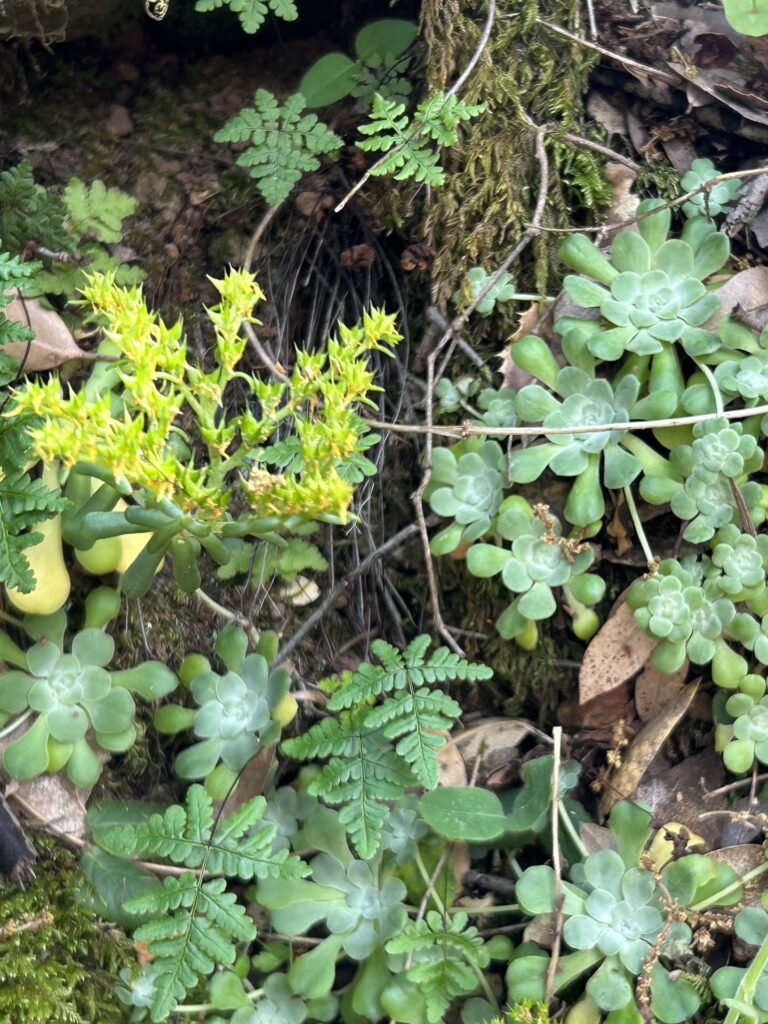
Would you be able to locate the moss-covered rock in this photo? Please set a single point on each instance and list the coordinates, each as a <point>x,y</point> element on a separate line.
<point>58,964</point>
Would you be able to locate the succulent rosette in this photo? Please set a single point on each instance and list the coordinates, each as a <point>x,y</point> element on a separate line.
<point>651,289</point>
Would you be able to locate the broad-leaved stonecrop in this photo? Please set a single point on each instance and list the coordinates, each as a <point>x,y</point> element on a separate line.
<point>619,918</point>
<point>131,436</point>
<point>609,458</point>
<point>237,713</point>
<point>705,489</point>
<point>74,702</point>
<point>651,290</point>
<point>537,561</point>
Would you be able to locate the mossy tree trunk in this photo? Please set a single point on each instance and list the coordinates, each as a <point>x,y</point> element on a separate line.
<point>528,77</point>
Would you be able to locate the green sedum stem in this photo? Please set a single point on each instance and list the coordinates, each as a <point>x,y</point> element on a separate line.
<point>632,507</point>
<point>731,887</point>
<point>189,1008</point>
<point>742,1003</point>
<point>428,882</point>
<point>13,726</point>
<point>715,389</point>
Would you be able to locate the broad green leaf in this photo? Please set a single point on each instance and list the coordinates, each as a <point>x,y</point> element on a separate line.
<point>329,79</point>
<point>464,813</point>
<point>386,38</point>
<point>750,17</point>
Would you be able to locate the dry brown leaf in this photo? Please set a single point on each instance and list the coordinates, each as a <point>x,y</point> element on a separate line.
<point>614,654</point>
<point>609,115</point>
<point>679,794</point>
<point>494,740</point>
<point>250,781</point>
<point>635,760</point>
<point>53,802</point>
<point>744,858</point>
<point>596,837</point>
<point>706,85</point>
<point>53,343</point>
<point>511,374</point>
<point>747,290</point>
<point>451,769</point>
<point>654,689</point>
<point>541,930</point>
<point>600,714</point>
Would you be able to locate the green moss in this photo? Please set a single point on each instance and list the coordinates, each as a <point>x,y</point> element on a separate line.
<point>57,962</point>
<point>526,75</point>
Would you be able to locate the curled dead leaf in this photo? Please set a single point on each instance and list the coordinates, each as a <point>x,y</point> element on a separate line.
<point>489,744</point>
<point>53,343</point>
<point>654,688</point>
<point>624,780</point>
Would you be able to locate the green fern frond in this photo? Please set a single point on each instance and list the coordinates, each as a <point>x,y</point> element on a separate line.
<point>378,750</point>
<point>406,142</point>
<point>23,503</point>
<point>200,924</point>
<point>252,12</point>
<point>414,720</point>
<point>284,144</point>
<point>398,671</point>
<point>30,213</point>
<point>97,210</point>
<point>188,836</point>
<point>447,959</point>
<point>363,783</point>
<point>195,924</point>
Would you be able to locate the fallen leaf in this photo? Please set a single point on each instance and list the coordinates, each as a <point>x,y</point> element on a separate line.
<point>615,653</point>
<point>747,290</point>
<point>250,781</point>
<point>609,115</point>
<point>624,200</point>
<point>744,858</point>
<point>417,257</point>
<point>654,688</point>
<point>494,741</point>
<point>451,769</point>
<point>511,374</point>
<point>357,256</point>
<point>300,592</point>
<point>596,837</point>
<point>53,343</point>
<point>680,794</point>
<point>623,782</point>
<point>599,714</point>
<point>54,803</point>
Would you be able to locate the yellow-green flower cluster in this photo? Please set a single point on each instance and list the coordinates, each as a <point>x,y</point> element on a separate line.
<point>141,431</point>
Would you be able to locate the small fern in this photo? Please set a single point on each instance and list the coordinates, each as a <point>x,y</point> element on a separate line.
<point>407,143</point>
<point>252,12</point>
<point>448,959</point>
<point>195,923</point>
<point>376,751</point>
<point>284,143</point>
<point>97,210</point>
<point>30,213</point>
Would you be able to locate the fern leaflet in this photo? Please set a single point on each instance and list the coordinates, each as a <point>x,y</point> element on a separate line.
<point>407,144</point>
<point>253,12</point>
<point>198,929</point>
<point>448,960</point>
<point>284,144</point>
<point>196,923</point>
<point>367,769</point>
<point>97,210</point>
